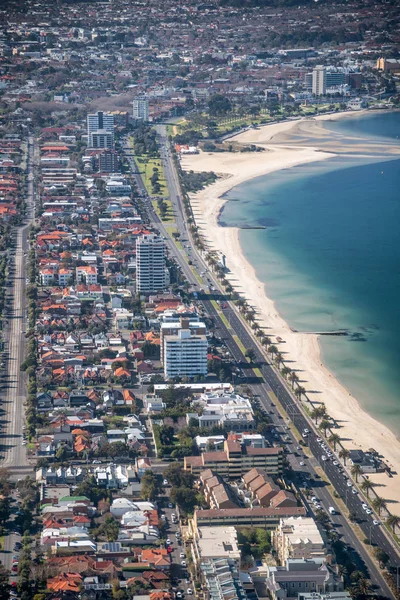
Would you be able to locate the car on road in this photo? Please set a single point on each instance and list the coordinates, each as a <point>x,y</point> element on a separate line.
<point>375,522</point>
<point>335,463</point>
<point>365,506</point>
<point>165,482</point>
<point>349,484</point>
<point>170,505</point>
<point>178,595</point>
<point>323,457</point>
<point>168,541</point>
<point>183,563</point>
<point>189,591</point>
<point>182,555</point>
<point>368,511</point>
<point>354,491</point>
<point>163,517</point>
<point>96,462</point>
<point>301,464</point>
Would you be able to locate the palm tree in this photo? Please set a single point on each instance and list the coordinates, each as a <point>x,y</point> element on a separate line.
<point>344,455</point>
<point>356,470</point>
<point>285,372</point>
<point>334,439</point>
<point>324,425</point>
<point>266,341</point>
<point>294,378</point>
<point>393,521</point>
<point>299,392</point>
<point>379,504</point>
<point>366,486</point>
<point>278,359</point>
<point>272,349</point>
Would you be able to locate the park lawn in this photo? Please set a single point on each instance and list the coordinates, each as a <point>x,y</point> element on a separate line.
<point>145,166</point>
<point>169,216</point>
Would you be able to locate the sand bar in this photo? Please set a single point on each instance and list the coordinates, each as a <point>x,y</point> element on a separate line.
<point>285,147</point>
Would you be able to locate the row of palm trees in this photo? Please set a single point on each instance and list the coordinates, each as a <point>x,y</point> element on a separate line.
<point>318,413</point>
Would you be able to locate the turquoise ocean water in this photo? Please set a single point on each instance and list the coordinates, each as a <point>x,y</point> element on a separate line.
<point>330,258</point>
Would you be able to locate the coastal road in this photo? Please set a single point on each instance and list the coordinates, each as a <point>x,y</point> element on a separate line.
<point>272,384</point>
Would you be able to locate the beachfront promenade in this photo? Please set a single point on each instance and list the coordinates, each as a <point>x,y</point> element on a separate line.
<point>273,383</point>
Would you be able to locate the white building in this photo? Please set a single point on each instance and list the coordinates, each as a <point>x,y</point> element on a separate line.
<point>140,109</point>
<point>100,138</point>
<point>298,537</point>
<point>150,264</point>
<point>100,120</point>
<point>319,81</point>
<point>225,410</point>
<point>185,353</point>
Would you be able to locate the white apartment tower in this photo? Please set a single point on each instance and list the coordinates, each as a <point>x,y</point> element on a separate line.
<point>319,81</point>
<point>150,264</point>
<point>100,120</point>
<point>185,353</point>
<point>140,109</point>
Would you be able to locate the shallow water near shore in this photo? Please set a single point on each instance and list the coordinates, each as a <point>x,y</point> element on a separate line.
<point>330,258</point>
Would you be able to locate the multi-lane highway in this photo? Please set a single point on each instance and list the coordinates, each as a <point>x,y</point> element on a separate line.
<point>271,384</point>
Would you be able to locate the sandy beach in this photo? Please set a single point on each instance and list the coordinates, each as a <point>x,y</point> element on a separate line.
<point>286,146</point>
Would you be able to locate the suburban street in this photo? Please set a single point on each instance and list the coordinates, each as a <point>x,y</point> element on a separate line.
<point>13,456</point>
<point>273,386</point>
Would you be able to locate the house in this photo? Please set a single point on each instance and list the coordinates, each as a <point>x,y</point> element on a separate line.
<point>86,274</point>
<point>368,461</point>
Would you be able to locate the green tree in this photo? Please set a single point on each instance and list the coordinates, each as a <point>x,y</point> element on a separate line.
<point>185,498</point>
<point>177,477</point>
<point>324,425</point>
<point>393,521</point>
<point>150,487</point>
<point>219,105</point>
<point>250,354</point>
<point>109,528</point>
<point>356,471</point>
<point>381,557</point>
<point>366,486</point>
<point>334,439</point>
<point>344,455</point>
<point>379,504</point>
<point>4,583</point>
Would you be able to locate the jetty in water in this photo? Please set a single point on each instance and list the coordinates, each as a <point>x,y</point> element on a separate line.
<point>338,332</point>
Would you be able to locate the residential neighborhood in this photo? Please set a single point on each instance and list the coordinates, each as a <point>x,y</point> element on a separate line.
<point>157,442</point>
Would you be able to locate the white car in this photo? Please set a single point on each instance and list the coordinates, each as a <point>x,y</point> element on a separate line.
<point>168,542</point>
<point>349,484</point>
<point>182,555</point>
<point>178,594</point>
<point>319,440</point>
<point>376,522</point>
<point>189,591</point>
<point>165,482</point>
<point>301,464</point>
<point>368,511</point>
<point>183,563</point>
<point>163,517</point>
<point>365,506</point>
<point>354,491</point>
<point>335,463</point>
<point>323,457</point>
<point>313,499</point>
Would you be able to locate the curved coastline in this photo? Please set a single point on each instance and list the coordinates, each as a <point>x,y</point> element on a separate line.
<point>285,148</point>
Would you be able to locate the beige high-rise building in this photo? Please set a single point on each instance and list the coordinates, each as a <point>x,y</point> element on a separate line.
<point>319,81</point>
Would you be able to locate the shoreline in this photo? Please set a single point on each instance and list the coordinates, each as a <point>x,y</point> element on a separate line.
<point>284,148</point>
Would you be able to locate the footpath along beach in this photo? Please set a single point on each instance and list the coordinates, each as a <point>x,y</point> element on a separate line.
<point>286,146</point>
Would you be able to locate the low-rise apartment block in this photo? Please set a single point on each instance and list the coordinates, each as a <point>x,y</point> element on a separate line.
<point>298,537</point>
<point>236,460</point>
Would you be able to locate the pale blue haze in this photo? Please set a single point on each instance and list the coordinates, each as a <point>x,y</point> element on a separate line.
<point>330,258</point>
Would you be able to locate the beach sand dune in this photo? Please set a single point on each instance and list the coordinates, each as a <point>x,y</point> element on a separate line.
<point>357,427</point>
